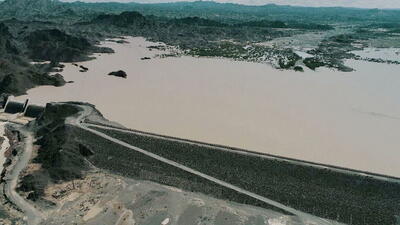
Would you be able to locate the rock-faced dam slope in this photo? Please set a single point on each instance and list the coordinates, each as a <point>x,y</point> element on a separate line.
<point>291,187</point>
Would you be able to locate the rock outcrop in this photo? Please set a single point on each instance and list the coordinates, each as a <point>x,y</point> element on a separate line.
<point>118,73</point>
<point>56,45</point>
<point>16,73</point>
<point>125,19</point>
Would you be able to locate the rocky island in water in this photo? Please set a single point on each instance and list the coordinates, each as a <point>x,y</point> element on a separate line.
<point>198,113</point>
<point>118,73</point>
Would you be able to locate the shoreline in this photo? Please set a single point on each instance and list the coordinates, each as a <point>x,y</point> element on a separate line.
<point>236,150</point>
<point>312,116</point>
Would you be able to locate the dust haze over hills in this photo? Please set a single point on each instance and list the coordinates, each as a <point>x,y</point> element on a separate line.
<point>310,3</point>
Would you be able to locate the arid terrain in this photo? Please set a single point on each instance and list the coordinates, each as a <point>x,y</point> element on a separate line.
<point>326,116</point>
<point>105,172</point>
<point>198,113</point>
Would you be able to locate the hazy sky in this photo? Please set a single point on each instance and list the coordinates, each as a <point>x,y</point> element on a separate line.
<point>346,3</point>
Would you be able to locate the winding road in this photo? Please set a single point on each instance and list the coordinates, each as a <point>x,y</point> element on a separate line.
<point>5,144</point>
<point>249,153</point>
<point>304,217</point>
<point>32,215</point>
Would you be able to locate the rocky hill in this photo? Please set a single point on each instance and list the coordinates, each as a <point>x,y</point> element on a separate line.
<point>56,45</point>
<point>52,30</point>
<point>16,73</point>
<point>6,45</point>
<point>31,9</point>
<point>124,19</point>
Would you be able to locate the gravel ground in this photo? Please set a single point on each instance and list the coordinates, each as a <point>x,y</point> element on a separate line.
<point>105,199</point>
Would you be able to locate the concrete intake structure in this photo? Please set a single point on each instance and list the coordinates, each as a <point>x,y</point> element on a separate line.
<point>34,111</point>
<point>14,107</point>
<point>24,109</point>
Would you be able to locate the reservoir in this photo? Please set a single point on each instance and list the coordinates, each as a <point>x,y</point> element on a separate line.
<point>344,119</point>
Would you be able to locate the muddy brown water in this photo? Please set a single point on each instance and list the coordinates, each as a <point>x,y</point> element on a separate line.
<point>344,119</point>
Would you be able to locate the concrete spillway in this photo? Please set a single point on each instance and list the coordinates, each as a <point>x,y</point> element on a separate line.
<point>14,107</point>
<point>24,109</point>
<point>34,111</point>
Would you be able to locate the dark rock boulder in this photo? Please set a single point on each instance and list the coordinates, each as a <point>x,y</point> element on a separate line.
<point>298,69</point>
<point>83,69</point>
<point>57,80</point>
<point>313,63</point>
<point>119,73</point>
<point>31,9</point>
<point>197,21</point>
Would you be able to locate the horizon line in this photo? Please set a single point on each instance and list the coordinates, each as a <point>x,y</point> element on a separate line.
<point>213,1</point>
